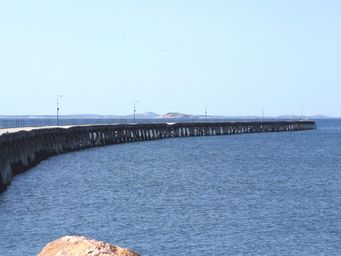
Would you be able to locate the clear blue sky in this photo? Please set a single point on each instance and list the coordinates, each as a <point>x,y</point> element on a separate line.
<point>237,56</point>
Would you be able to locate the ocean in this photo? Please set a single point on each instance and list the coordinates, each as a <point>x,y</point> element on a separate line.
<point>247,194</point>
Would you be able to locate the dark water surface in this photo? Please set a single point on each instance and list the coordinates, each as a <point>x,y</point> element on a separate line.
<point>251,194</point>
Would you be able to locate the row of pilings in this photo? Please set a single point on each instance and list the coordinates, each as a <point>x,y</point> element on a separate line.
<point>19,151</point>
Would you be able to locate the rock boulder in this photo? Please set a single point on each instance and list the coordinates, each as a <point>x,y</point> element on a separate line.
<point>83,246</point>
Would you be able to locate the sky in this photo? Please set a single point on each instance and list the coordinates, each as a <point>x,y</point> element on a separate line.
<point>238,57</point>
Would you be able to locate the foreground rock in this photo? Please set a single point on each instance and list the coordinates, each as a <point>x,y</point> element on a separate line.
<point>81,246</point>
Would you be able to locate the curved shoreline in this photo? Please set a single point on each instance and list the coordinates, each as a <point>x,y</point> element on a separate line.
<point>21,150</point>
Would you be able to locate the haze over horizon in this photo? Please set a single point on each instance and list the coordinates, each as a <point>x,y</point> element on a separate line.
<point>240,57</point>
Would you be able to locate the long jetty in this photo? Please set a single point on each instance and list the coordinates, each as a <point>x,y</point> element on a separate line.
<point>20,150</point>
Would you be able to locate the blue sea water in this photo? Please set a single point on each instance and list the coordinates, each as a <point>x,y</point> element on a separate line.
<point>250,194</point>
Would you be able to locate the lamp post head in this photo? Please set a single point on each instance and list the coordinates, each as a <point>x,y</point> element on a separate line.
<point>136,101</point>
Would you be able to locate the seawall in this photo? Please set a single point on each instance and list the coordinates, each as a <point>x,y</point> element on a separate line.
<point>21,150</point>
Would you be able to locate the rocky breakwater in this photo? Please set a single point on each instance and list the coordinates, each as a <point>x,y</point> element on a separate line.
<point>83,246</point>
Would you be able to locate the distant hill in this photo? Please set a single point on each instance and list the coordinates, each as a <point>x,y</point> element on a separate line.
<point>176,115</point>
<point>305,117</point>
<point>147,115</point>
<point>169,115</point>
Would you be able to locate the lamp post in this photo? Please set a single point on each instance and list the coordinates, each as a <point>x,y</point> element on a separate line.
<point>59,96</point>
<point>206,112</point>
<point>135,110</point>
